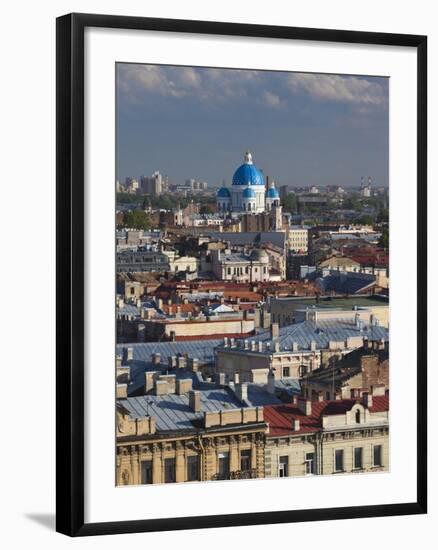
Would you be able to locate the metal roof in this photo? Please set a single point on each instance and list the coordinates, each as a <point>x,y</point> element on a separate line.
<point>277,238</point>
<point>172,412</point>
<point>321,332</point>
<point>199,349</point>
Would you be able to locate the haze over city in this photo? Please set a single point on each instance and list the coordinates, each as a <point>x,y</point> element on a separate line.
<point>303,129</point>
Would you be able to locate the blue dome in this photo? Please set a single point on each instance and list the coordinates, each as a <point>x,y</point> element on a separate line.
<point>224,193</point>
<point>272,193</point>
<point>248,174</point>
<point>249,194</point>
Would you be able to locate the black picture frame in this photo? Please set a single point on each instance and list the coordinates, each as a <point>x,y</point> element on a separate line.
<point>70,273</point>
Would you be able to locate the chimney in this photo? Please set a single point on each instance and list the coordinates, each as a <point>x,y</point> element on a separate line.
<point>181,362</point>
<point>172,362</point>
<point>253,345</point>
<point>338,395</point>
<point>150,377</point>
<point>275,331</point>
<point>155,359</point>
<point>160,303</point>
<point>128,355</point>
<point>295,425</point>
<point>305,406</point>
<point>195,400</point>
<point>378,389</point>
<point>236,378</point>
<point>183,385</point>
<point>194,364</point>
<point>295,346</point>
<point>260,347</point>
<point>161,387</point>
<point>242,391</point>
<point>294,399</point>
<point>122,391</point>
<point>276,346</point>
<point>271,382</point>
<point>225,341</point>
<point>357,320</point>
<point>313,345</point>
<point>367,399</point>
<point>320,396</point>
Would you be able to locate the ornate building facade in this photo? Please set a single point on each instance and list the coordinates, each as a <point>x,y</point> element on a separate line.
<point>328,437</point>
<point>222,444</point>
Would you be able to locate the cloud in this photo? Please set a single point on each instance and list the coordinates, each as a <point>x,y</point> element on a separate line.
<point>347,89</point>
<point>272,100</point>
<point>212,85</point>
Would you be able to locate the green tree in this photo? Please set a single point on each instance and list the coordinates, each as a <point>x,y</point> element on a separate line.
<point>206,209</point>
<point>137,219</point>
<point>383,216</point>
<point>352,202</point>
<point>384,239</point>
<point>290,202</point>
<point>366,219</point>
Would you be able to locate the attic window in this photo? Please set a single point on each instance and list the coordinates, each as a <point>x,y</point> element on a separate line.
<point>357,416</point>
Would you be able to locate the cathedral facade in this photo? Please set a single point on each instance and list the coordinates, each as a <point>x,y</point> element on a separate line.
<point>249,193</point>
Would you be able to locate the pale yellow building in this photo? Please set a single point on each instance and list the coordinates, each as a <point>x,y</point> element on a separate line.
<point>180,435</point>
<point>327,437</point>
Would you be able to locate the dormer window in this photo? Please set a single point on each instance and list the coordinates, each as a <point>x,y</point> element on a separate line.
<point>357,416</point>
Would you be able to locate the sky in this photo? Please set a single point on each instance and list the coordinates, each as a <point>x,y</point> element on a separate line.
<point>302,128</point>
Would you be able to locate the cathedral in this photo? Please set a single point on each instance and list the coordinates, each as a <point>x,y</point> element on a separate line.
<point>248,193</point>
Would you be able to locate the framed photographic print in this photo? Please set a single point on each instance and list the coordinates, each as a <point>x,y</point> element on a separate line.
<point>241,274</point>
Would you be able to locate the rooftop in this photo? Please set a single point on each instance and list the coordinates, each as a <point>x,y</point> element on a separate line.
<point>172,412</point>
<point>279,417</point>
<point>321,333</point>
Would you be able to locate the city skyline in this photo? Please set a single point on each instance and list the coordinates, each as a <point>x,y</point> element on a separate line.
<point>303,129</point>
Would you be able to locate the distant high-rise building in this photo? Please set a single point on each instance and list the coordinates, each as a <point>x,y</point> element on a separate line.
<point>152,185</point>
<point>131,185</point>
<point>365,188</point>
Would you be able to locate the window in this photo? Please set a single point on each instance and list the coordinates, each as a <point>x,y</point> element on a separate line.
<point>358,465</point>
<point>192,468</point>
<point>245,460</point>
<point>132,290</point>
<point>169,470</point>
<point>339,460</point>
<point>223,466</point>
<point>283,466</point>
<point>286,372</point>
<point>377,455</point>
<point>310,463</point>
<point>327,395</point>
<point>357,416</point>
<point>146,471</point>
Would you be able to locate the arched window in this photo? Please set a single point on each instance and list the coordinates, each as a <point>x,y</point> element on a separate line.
<point>357,416</point>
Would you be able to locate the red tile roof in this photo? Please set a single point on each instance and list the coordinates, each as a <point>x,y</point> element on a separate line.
<point>279,417</point>
<point>184,308</point>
